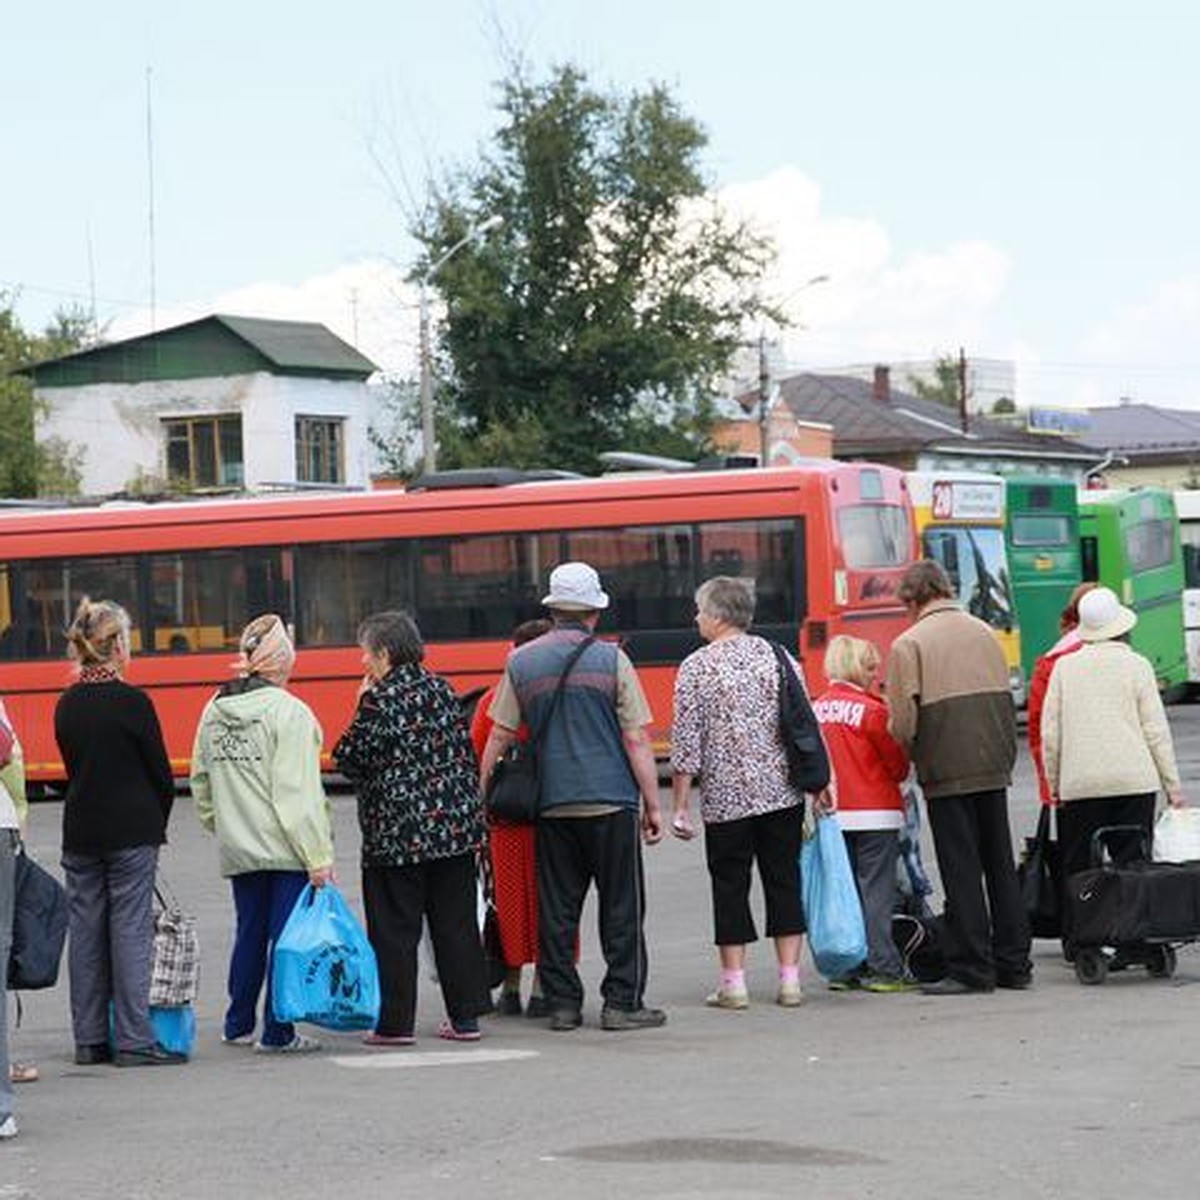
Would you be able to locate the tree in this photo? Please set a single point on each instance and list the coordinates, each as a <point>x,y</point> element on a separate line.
<point>944,387</point>
<point>604,311</point>
<point>29,468</point>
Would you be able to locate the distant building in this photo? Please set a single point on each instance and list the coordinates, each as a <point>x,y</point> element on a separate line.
<point>1146,445</point>
<point>872,420</point>
<point>221,402</point>
<point>989,380</point>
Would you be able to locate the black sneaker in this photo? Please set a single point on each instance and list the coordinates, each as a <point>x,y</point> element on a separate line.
<point>149,1056</point>
<point>508,1004</point>
<point>538,1008</point>
<point>564,1019</point>
<point>617,1019</point>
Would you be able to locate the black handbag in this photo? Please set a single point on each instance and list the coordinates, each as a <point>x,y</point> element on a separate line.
<point>513,790</point>
<point>808,760</point>
<point>1038,876</point>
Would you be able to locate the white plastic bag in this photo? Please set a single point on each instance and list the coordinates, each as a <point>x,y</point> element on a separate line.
<point>1177,835</point>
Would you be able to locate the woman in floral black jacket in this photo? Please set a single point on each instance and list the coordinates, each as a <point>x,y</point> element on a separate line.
<point>408,753</point>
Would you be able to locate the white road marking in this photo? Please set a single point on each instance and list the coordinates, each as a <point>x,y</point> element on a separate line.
<point>392,1060</point>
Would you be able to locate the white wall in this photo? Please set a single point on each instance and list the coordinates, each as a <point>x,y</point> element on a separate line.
<point>119,426</point>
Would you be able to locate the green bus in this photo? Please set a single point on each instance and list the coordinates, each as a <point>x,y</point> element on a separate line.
<point>1043,558</point>
<point>1129,541</point>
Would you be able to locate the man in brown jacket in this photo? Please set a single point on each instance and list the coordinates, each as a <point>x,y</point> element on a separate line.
<point>950,706</point>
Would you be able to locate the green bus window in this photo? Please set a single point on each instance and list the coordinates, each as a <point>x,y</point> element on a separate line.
<point>1043,529</point>
<point>1149,544</point>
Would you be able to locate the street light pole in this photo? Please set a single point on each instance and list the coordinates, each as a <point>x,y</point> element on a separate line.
<point>764,378</point>
<point>428,432</point>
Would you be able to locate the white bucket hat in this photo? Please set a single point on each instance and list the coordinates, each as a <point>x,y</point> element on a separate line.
<point>575,587</point>
<point>1103,617</point>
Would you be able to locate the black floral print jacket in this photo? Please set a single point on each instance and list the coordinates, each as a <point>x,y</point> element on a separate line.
<point>409,756</point>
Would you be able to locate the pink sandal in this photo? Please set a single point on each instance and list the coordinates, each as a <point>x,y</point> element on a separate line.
<point>448,1032</point>
<point>389,1039</point>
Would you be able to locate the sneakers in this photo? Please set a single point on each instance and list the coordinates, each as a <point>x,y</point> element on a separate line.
<point>733,998</point>
<point>538,1008</point>
<point>385,1040</point>
<point>242,1039</point>
<point>790,995</point>
<point>619,1019</point>
<point>508,1004</point>
<point>886,984</point>
<point>300,1044</point>
<point>8,1128</point>
<point>562,1020</point>
<point>153,1055</point>
<point>847,983</point>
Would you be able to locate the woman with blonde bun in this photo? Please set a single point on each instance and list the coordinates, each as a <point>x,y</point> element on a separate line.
<point>118,802</point>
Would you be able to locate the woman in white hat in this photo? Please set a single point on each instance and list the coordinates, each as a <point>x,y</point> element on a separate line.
<point>1105,738</point>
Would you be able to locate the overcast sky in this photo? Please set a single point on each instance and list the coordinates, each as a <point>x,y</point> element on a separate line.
<point>1019,179</point>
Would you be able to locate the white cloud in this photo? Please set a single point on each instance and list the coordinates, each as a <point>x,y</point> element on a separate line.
<point>872,305</point>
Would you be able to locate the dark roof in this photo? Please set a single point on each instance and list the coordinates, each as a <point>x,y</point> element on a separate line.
<point>211,346</point>
<point>1142,430</point>
<point>305,345</point>
<point>863,425</point>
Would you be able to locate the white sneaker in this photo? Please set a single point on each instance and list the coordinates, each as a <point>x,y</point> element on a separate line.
<point>790,995</point>
<point>300,1044</point>
<point>8,1128</point>
<point>734,998</point>
<point>244,1039</point>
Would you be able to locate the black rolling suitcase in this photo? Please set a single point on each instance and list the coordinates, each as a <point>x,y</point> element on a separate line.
<point>1124,915</point>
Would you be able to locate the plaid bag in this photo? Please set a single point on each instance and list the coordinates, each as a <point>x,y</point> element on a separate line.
<point>175,977</point>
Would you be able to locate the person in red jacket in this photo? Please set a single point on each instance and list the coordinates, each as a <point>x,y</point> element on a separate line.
<point>1068,643</point>
<point>514,871</point>
<point>868,768</point>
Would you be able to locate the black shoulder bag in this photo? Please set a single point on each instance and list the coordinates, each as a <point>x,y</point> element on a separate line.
<point>513,790</point>
<point>808,761</point>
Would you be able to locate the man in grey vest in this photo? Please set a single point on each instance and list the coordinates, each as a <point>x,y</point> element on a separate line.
<point>599,791</point>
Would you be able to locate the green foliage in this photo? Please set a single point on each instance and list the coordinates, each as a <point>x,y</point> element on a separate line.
<point>52,468</point>
<point>944,388</point>
<point>604,311</point>
<point>1005,406</point>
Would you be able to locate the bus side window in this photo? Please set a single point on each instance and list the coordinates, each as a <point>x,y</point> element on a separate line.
<point>1088,549</point>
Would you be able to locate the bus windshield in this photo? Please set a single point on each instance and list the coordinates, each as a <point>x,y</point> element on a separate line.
<point>873,535</point>
<point>974,559</point>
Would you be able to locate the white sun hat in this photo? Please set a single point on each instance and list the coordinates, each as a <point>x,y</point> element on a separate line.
<point>1103,617</point>
<point>575,587</point>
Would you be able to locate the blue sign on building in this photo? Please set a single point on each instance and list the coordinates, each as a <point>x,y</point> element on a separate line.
<point>1065,422</point>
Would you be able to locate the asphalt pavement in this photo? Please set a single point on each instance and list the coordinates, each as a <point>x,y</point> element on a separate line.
<point>1061,1091</point>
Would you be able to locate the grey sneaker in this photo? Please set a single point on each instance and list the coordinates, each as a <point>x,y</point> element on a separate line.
<point>617,1019</point>
<point>8,1128</point>
<point>300,1044</point>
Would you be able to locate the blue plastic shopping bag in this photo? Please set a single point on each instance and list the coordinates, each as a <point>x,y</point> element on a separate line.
<point>837,935</point>
<point>324,969</point>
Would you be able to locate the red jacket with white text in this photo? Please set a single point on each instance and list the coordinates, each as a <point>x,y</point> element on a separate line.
<point>868,763</point>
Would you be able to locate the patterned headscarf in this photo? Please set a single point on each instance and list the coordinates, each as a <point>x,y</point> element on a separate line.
<point>266,650</point>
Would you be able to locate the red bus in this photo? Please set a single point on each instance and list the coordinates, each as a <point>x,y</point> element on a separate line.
<point>825,541</point>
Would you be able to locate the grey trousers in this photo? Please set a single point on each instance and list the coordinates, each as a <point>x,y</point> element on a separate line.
<point>873,856</point>
<point>110,899</point>
<point>9,840</point>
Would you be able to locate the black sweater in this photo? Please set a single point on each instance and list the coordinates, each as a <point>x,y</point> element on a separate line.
<point>119,785</point>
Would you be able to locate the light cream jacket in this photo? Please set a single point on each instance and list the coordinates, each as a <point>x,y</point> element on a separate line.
<point>1104,729</point>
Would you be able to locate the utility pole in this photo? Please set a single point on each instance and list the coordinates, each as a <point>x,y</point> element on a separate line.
<point>764,400</point>
<point>962,389</point>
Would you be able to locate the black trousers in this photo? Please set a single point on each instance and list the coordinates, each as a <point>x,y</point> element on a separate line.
<point>731,849</point>
<point>1078,819</point>
<point>395,900</point>
<point>984,937</point>
<point>573,853</point>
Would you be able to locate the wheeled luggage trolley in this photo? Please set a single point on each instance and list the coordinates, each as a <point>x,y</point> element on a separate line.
<point>1131,915</point>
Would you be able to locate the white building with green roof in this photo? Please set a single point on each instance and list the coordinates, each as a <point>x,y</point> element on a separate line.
<point>222,402</point>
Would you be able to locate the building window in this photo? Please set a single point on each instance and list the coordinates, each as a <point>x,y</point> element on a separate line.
<point>205,452</point>
<point>319,450</point>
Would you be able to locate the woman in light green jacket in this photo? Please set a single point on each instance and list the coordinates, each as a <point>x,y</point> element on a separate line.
<point>256,783</point>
